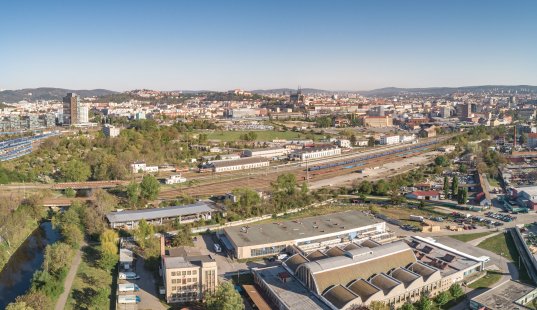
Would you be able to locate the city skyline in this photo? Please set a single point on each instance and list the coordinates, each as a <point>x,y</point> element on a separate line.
<point>216,46</point>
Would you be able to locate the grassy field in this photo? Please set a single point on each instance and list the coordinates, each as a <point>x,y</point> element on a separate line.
<point>470,237</point>
<point>92,285</point>
<point>491,278</point>
<point>267,135</point>
<point>501,244</point>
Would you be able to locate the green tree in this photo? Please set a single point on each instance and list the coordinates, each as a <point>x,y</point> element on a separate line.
<point>72,235</point>
<point>446,186</point>
<point>143,232</point>
<point>442,298</point>
<point>454,186</point>
<point>441,161</point>
<point>425,303</point>
<point>104,202</point>
<point>381,187</point>
<point>378,305</point>
<point>456,290</point>
<point>225,298</point>
<point>183,237</point>
<point>150,187</point>
<point>365,187</point>
<point>75,171</point>
<point>408,306</point>
<point>18,305</point>
<point>70,193</point>
<point>462,196</point>
<point>58,257</point>
<point>353,140</point>
<point>285,182</point>
<point>35,299</point>
<point>133,193</point>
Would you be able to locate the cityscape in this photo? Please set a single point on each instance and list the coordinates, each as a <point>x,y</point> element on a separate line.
<point>236,155</point>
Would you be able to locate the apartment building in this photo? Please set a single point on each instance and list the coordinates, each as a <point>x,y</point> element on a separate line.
<point>187,275</point>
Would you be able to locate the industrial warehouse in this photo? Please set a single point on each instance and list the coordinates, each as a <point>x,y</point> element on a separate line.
<point>184,214</point>
<point>344,277</point>
<point>308,234</point>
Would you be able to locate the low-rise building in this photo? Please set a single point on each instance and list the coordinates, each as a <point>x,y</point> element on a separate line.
<point>184,214</point>
<point>378,121</point>
<point>175,179</point>
<point>187,274</point>
<point>111,131</point>
<point>344,143</point>
<point>239,164</point>
<point>424,195</point>
<point>272,152</point>
<point>308,234</point>
<point>507,295</point>
<point>138,167</point>
<point>315,152</point>
<point>389,140</point>
<point>366,271</point>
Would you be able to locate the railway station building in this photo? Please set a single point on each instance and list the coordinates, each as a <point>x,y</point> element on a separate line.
<point>239,164</point>
<point>364,271</point>
<point>307,234</point>
<point>316,152</point>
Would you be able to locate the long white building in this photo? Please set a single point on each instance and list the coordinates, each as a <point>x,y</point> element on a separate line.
<point>316,152</point>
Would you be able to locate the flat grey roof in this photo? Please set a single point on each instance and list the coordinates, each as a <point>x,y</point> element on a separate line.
<point>298,229</point>
<point>504,296</point>
<point>184,262</point>
<point>155,213</point>
<point>292,293</point>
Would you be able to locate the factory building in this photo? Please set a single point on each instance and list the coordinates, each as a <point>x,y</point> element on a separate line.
<point>308,234</point>
<point>361,272</point>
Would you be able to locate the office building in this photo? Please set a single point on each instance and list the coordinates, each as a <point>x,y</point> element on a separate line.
<point>308,234</point>
<point>70,109</point>
<point>187,275</point>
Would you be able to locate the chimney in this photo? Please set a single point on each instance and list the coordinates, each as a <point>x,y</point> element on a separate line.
<point>162,246</point>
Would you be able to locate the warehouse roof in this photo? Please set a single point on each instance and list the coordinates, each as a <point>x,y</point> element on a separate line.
<point>155,213</point>
<point>298,229</point>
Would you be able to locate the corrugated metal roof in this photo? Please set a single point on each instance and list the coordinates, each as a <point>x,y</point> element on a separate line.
<point>155,213</point>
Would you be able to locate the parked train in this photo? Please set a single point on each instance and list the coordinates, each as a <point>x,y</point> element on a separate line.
<point>372,156</point>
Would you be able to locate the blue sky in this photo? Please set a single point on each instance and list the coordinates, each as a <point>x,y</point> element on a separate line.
<point>220,45</point>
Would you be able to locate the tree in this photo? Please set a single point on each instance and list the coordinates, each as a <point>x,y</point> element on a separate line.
<point>70,193</point>
<point>133,193</point>
<point>441,161</point>
<point>285,182</point>
<point>72,235</point>
<point>442,298</point>
<point>408,306</point>
<point>57,257</point>
<point>454,186</point>
<point>183,236</point>
<point>225,298</point>
<point>92,222</point>
<point>143,232</point>
<point>425,303</point>
<point>150,187</point>
<point>108,250</point>
<point>75,171</point>
<point>104,202</point>
<point>35,299</point>
<point>446,186</point>
<point>462,197</point>
<point>365,187</point>
<point>456,290</point>
<point>353,140</point>
<point>371,141</point>
<point>380,188</point>
<point>18,306</point>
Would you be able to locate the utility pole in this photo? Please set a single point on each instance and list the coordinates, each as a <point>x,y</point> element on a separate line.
<point>307,174</point>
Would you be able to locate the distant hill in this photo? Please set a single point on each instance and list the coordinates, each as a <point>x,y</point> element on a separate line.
<point>48,93</point>
<point>438,91</point>
<point>395,91</point>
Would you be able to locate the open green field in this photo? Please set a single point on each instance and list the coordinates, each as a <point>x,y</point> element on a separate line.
<point>92,286</point>
<point>491,278</point>
<point>267,135</point>
<point>470,237</point>
<point>501,244</point>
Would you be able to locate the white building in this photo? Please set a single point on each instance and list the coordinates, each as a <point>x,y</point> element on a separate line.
<point>142,167</point>
<point>83,113</point>
<point>111,131</point>
<point>389,140</point>
<point>405,139</point>
<point>175,179</point>
<point>344,143</point>
<point>316,152</point>
<point>239,164</point>
<point>270,153</point>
